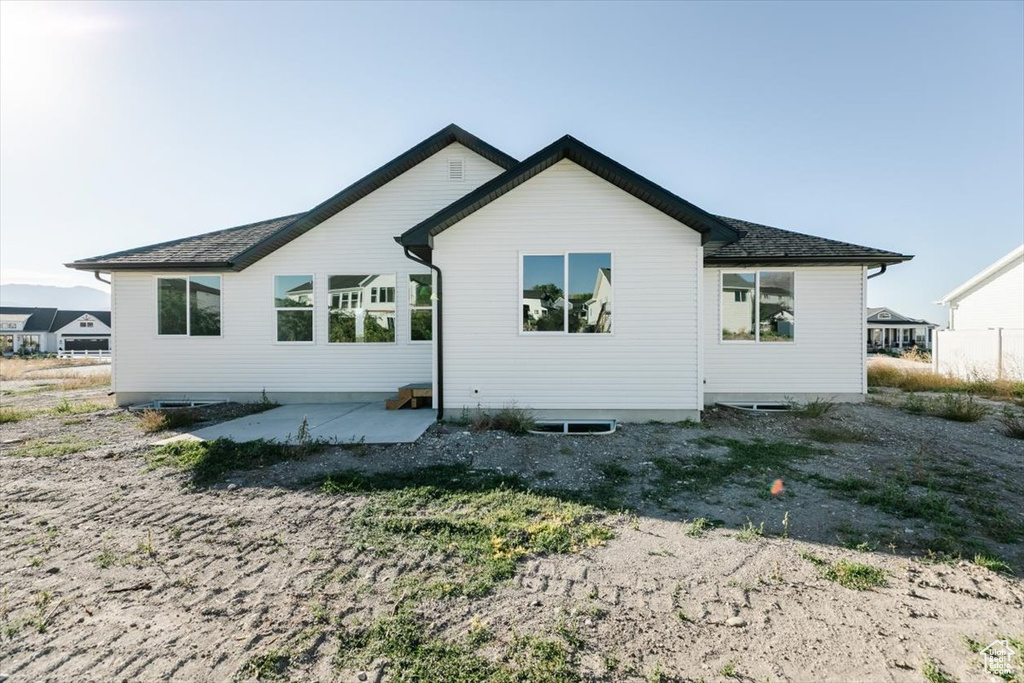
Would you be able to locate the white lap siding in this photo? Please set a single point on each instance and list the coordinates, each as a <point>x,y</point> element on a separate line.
<point>826,357</point>
<point>247,358</point>
<point>650,360</point>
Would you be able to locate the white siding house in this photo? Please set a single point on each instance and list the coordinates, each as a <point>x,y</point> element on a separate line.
<point>825,357</point>
<point>246,358</point>
<point>565,284</point>
<point>986,323</point>
<point>646,365</point>
<point>54,331</point>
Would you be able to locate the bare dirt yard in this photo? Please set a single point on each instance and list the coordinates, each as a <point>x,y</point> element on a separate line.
<point>894,552</point>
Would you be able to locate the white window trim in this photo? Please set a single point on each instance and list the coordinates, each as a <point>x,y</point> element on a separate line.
<point>188,308</point>
<point>565,276</point>
<point>273,298</point>
<point>363,305</point>
<point>413,307</point>
<point>757,307</point>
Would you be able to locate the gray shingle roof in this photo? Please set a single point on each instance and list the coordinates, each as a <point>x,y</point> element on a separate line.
<point>40,321</point>
<point>64,317</point>
<point>894,319</point>
<point>209,250</point>
<point>51,319</point>
<point>728,241</point>
<point>765,245</point>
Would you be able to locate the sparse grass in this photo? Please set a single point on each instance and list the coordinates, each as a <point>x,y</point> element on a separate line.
<point>159,420</point>
<point>47,448</point>
<point>269,666</point>
<point>728,669</point>
<point>511,419</point>
<point>824,434</point>
<point>16,368</point>
<point>208,461</point>
<point>486,521</point>
<point>853,575</point>
<point>959,408</point>
<point>921,492</point>
<point>819,407</point>
<point>952,406</point>
<point>9,414</point>
<point>609,493</point>
<point>992,563</point>
<point>698,527</point>
<point>750,532</point>
<point>92,380</point>
<point>918,380</point>
<point>699,473</point>
<point>933,673</point>
<point>917,355</point>
<point>1013,425</point>
<point>414,654</point>
<point>66,407</point>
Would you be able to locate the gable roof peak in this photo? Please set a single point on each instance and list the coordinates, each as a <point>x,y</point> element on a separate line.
<point>712,228</point>
<point>238,248</point>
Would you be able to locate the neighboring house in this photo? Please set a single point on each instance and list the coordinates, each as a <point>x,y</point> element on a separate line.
<point>49,330</point>
<point>599,307</point>
<point>888,329</point>
<point>986,323</point>
<point>522,306</point>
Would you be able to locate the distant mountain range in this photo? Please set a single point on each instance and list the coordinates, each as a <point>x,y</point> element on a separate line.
<point>46,296</point>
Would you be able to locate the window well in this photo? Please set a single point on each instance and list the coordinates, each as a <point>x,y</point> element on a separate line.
<point>573,427</point>
<point>766,407</point>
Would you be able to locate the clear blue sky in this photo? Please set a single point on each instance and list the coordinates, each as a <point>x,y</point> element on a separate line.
<point>896,125</point>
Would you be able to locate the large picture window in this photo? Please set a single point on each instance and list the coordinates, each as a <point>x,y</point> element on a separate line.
<point>568,293</point>
<point>421,311</point>
<point>362,309</point>
<point>758,306</point>
<point>293,307</point>
<point>189,306</point>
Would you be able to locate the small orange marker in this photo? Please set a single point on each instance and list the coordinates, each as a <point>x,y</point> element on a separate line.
<point>777,487</point>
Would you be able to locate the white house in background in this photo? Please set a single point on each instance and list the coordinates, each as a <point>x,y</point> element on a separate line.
<point>986,323</point>
<point>599,307</point>
<point>512,298</point>
<point>49,330</point>
<point>888,329</point>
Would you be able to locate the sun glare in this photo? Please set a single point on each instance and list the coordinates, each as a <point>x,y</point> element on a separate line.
<point>41,50</point>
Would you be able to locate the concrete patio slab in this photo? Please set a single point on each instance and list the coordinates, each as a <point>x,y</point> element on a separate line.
<point>334,422</point>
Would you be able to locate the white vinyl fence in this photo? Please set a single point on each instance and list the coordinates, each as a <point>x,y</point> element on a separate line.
<point>94,353</point>
<point>996,353</point>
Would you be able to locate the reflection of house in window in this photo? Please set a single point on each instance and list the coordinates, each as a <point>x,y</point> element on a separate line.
<point>738,306</point>
<point>599,307</point>
<point>537,304</point>
<point>362,308</point>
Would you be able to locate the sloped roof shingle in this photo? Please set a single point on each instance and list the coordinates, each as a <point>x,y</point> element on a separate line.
<point>765,245</point>
<point>208,250</point>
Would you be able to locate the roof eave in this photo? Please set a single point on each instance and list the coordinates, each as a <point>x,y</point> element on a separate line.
<point>974,282</point>
<point>866,260</point>
<point>99,267</point>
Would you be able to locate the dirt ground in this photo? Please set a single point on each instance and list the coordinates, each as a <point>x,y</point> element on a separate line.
<point>113,570</point>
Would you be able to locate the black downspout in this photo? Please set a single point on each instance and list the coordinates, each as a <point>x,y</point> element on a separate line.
<point>439,299</point>
<point>876,274</point>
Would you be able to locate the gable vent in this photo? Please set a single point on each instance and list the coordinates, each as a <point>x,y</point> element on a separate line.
<point>884,315</point>
<point>456,171</point>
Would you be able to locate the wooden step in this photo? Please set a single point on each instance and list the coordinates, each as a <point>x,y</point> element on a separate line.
<point>396,402</point>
